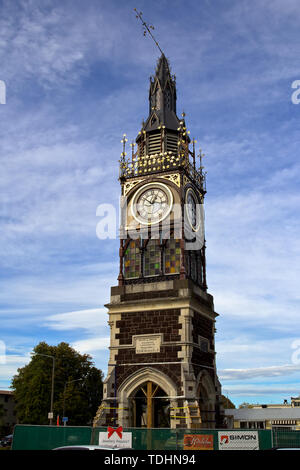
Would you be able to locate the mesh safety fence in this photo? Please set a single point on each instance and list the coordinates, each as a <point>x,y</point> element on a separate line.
<point>28,437</point>
<point>286,438</point>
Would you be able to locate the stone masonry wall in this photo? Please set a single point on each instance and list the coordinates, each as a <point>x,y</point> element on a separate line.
<point>164,322</point>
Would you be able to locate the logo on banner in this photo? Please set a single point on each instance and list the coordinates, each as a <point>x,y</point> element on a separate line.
<point>224,440</point>
<point>198,442</point>
<point>239,440</point>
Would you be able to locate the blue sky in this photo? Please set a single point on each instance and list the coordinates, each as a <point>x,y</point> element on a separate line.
<point>77,77</point>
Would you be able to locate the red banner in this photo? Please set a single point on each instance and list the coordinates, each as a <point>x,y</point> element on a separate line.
<point>198,442</point>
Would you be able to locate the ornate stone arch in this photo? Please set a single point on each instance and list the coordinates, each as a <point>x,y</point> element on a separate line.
<point>131,385</point>
<point>206,381</point>
<point>134,381</point>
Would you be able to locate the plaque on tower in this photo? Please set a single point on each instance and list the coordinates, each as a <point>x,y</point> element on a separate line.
<point>146,344</point>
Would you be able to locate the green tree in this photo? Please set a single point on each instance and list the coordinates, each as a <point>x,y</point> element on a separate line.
<point>77,386</point>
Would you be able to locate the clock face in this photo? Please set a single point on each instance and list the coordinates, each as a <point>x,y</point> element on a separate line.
<point>152,203</point>
<point>191,209</point>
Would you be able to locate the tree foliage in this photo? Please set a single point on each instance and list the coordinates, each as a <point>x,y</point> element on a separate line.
<point>77,386</point>
<point>227,403</point>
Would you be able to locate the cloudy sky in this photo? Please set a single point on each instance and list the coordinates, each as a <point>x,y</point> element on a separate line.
<point>77,76</point>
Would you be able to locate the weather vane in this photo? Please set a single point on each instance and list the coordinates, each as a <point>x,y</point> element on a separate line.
<point>147,28</point>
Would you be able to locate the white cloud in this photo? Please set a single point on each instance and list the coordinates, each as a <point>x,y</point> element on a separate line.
<point>92,345</point>
<point>91,320</point>
<point>48,45</point>
<point>265,372</point>
<point>57,289</point>
<point>10,367</point>
<point>256,390</point>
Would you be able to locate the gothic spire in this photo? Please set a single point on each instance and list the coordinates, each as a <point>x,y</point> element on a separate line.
<point>162,98</point>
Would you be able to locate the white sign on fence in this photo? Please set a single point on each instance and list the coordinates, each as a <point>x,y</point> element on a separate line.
<point>115,438</point>
<point>238,440</point>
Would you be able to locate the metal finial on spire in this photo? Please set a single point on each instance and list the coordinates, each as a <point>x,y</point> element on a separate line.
<point>123,141</point>
<point>201,155</point>
<point>147,28</point>
<point>202,173</point>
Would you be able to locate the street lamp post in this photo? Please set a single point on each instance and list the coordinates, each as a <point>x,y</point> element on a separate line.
<point>52,385</point>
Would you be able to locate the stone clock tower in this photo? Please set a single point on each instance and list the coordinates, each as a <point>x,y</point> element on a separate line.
<point>162,370</point>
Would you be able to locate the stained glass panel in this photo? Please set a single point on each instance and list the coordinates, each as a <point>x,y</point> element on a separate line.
<point>132,260</point>
<point>152,259</point>
<point>172,256</point>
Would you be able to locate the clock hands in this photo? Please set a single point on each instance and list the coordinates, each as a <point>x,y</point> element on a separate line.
<point>153,199</point>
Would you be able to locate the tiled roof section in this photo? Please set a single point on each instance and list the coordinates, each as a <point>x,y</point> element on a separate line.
<point>250,414</point>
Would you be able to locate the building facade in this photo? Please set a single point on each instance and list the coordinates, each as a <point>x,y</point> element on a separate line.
<point>162,368</point>
<point>7,411</point>
<point>268,417</point>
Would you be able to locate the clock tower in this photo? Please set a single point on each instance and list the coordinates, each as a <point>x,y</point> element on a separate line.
<point>162,369</point>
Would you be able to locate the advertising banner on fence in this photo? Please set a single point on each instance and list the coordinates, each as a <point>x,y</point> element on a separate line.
<point>115,437</point>
<point>238,440</point>
<point>198,442</point>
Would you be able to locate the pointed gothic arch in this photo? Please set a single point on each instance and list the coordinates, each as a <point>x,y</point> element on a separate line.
<point>146,395</point>
<point>206,396</point>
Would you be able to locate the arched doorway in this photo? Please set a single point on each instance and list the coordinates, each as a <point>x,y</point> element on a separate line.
<point>150,406</point>
<point>130,393</point>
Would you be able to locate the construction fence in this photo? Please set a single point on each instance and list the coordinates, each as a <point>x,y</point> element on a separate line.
<point>27,437</point>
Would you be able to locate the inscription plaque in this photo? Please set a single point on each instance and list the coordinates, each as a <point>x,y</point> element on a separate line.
<point>147,344</point>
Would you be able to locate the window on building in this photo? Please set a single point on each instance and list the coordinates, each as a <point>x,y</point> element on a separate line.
<point>152,259</point>
<point>252,425</point>
<point>132,260</point>
<point>172,256</point>
<point>194,266</point>
<point>204,344</point>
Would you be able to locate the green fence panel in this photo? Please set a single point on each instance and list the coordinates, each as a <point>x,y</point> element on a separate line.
<point>27,437</point>
<point>265,439</point>
<point>284,438</point>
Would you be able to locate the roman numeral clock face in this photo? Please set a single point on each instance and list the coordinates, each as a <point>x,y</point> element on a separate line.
<point>152,203</point>
<point>193,210</point>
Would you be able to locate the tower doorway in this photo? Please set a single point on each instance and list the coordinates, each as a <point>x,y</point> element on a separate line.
<point>150,407</point>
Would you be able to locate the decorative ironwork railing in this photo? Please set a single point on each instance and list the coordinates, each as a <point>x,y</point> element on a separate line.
<point>158,163</point>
